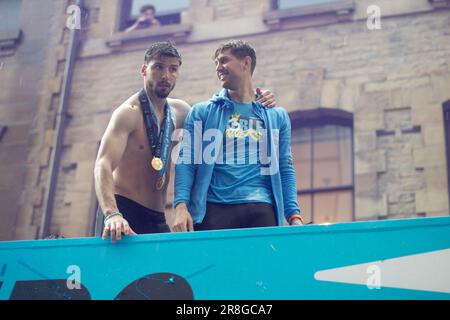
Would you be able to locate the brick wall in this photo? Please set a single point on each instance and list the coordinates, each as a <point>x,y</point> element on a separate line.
<point>393,80</point>
<point>25,94</point>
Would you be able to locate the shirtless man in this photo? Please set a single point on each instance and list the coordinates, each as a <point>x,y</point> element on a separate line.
<point>125,181</point>
<point>130,191</point>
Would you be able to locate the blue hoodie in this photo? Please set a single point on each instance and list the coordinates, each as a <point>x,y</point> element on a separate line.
<point>193,175</point>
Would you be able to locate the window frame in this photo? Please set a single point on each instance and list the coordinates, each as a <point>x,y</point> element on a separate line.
<point>275,4</point>
<point>120,39</point>
<point>125,16</point>
<point>11,37</point>
<point>305,16</point>
<point>318,117</point>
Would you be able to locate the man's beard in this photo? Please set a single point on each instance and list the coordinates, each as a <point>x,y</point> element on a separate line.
<point>230,83</point>
<point>163,93</point>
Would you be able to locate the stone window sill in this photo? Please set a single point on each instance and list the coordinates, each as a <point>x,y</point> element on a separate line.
<point>177,33</point>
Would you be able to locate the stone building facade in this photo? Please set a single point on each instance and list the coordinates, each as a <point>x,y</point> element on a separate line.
<point>392,86</point>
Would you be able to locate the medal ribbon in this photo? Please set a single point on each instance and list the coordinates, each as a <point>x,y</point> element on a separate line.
<point>159,141</point>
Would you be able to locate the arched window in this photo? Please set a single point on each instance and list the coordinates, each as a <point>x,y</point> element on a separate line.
<point>322,147</point>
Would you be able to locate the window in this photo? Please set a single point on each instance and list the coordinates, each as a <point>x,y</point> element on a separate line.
<point>288,14</point>
<point>284,4</point>
<point>9,26</point>
<point>322,147</point>
<point>167,12</point>
<point>9,14</point>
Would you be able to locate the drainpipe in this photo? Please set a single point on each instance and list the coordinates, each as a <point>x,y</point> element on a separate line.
<point>61,117</point>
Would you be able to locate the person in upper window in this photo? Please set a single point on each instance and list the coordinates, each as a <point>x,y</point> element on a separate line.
<point>146,19</point>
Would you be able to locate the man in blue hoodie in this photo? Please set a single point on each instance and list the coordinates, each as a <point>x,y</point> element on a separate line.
<point>235,167</point>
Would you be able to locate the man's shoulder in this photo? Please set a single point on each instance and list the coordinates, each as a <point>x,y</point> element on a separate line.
<point>180,110</point>
<point>179,105</point>
<point>127,115</point>
<point>204,106</point>
<point>279,116</point>
<point>277,111</point>
<point>129,109</point>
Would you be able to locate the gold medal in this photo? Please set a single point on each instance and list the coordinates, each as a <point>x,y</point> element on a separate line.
<point>160,182</point>
<point>157,163</point>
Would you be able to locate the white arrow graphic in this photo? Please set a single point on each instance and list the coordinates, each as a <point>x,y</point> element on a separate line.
<point>426,271</point>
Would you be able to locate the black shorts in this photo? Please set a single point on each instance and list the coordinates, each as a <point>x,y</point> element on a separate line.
<point>233,216</point>
<point>141,219</point>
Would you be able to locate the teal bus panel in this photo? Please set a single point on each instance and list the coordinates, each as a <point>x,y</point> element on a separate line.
<point>389,259</point>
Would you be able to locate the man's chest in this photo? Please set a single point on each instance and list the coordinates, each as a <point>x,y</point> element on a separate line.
<point>243,124</point>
